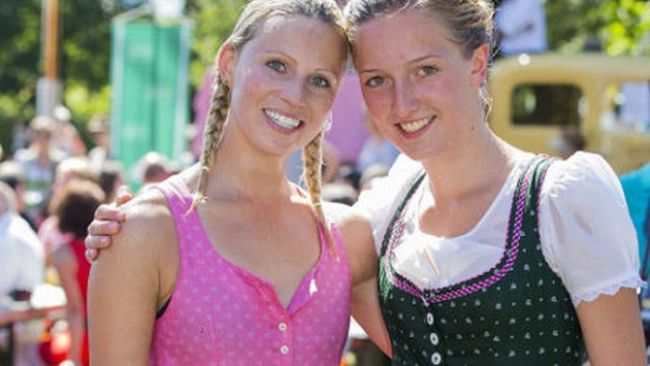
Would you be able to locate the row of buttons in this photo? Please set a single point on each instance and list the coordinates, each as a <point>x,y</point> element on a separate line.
<point>436,358</point>
<point>282,327</point>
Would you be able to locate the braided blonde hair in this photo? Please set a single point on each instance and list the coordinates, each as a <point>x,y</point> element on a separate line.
<point>250,21</point>
<point>312,157</point>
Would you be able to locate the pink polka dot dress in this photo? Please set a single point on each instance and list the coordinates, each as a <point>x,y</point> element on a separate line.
<point>221,314</point>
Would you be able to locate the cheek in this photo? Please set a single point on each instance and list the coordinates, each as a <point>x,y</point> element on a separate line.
<point>250,80</point>
<point>377,103</point>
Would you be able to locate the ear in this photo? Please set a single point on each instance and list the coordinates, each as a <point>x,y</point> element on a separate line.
<point>226,58</point>
<point>480,62</point>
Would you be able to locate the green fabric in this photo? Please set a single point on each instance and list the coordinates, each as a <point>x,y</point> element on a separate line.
<point>149,80</point>
<point>524,318</point>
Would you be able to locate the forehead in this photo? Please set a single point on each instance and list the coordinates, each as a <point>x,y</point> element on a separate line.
<point>299,36</point>
<point>401,37</point>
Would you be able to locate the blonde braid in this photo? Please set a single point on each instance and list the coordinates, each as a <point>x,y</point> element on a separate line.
<point>212,135</point>
<point>312,157</point>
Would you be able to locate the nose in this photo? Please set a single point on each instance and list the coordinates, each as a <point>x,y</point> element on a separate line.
<point>293,92</point>
<point>405,102</point>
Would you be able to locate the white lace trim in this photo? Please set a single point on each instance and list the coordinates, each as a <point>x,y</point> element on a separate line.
<point>631,282</point>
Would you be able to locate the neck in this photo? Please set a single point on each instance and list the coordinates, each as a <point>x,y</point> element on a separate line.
<point>477,158</point>
<point>243,173</point>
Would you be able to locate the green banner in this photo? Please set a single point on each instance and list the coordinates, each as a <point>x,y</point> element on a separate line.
<point>149,82</point>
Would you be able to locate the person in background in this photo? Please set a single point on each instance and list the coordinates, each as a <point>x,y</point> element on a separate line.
<point>521,27</point>
<point>38,163</point>
<point>66,137</point>
<point>66,171</point>
<point>74,207</point>
<point>21,270</point>
<point>111,177</point>
<point>570,141</point>
<point>154,168</point>
<point>21,253</point>
<point>99,130</point>
<point>12,174</point>
<point>636,186</point>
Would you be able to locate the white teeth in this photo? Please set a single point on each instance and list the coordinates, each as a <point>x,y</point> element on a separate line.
<point>415,125</point>
<point>281,120</point>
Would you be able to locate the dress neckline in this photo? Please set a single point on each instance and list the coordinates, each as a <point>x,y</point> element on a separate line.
<point>415,209</point>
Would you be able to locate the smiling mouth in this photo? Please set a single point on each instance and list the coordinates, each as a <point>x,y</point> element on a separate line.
<point>415,126</point>
<point>282,120</point>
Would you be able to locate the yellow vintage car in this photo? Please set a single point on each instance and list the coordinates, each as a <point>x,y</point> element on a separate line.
<point>606,98</point>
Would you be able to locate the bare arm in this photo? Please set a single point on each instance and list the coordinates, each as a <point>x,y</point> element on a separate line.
<point>612,329</point>
<point>359,242</point>
<point>125,286</point>
<point>66,267</point>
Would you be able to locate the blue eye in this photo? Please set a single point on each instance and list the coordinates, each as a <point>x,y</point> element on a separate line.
<point>374,82</point>
<point>320,82</point>
<point>276,65</point>
<point>427,70</point>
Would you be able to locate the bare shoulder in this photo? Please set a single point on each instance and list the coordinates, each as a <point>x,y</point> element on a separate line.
<point>357,237</point>
<point>148,228</point>
<point>352,223</point>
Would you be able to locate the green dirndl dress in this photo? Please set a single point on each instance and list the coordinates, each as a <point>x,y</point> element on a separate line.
<point>516,313</point>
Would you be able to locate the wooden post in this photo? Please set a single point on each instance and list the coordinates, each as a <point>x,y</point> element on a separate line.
<point>50,59</point>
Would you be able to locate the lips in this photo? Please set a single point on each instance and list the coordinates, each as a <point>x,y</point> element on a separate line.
<point>415,128</point>
<point>282,121</point>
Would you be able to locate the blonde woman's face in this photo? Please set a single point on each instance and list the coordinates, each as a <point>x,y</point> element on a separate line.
<point>284,81</point>
<point>416,83</point>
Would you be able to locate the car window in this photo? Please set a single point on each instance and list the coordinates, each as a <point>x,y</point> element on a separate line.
<point>547,105</point>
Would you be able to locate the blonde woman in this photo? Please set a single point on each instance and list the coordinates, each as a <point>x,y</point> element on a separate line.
<point>488,255</point>
<point>228,263</point>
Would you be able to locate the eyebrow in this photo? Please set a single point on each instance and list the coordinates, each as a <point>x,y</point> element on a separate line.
<point>332,74</point>
<point>414,61</point>
<point>280,53</point>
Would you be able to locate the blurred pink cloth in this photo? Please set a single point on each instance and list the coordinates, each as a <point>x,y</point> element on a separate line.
<point>348,134</point>
<point>201,105</point>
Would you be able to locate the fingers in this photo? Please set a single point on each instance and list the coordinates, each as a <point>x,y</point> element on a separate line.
<point>103,228</point>
<point>97,242</point>
<point>108,213</point>
<point>123,195</point>
<point>91,255</point>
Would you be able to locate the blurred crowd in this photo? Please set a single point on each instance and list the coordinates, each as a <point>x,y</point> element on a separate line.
<point>50,186</point>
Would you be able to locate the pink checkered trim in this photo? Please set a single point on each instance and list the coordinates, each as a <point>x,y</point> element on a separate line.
<point>511,254</point>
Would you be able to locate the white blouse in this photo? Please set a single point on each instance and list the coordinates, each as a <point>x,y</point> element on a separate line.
<point>586,233</point>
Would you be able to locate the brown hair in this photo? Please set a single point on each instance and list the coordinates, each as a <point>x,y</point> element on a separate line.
<point>252,18</point>
<point>469,22</point>
<point>75,206</point>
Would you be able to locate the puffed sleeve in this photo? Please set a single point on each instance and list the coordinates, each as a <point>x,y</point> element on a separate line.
<point>379,203</point>
<point>587,236</point>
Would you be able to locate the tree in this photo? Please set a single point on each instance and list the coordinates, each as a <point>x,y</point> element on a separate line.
<point>619,26</point>
<point>622,26</point>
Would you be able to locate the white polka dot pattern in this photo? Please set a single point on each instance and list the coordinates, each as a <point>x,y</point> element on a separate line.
<point>221,314</point>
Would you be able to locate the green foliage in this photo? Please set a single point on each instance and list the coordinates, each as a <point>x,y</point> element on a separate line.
<point>83,59</point>
<point>213,21</point>
<point>619,26</point>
